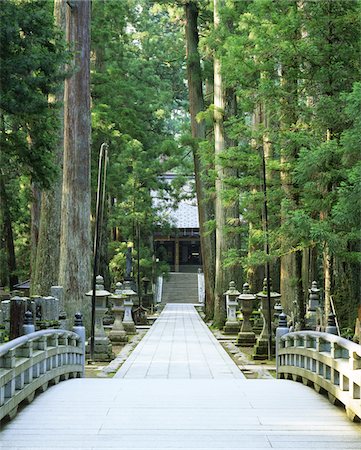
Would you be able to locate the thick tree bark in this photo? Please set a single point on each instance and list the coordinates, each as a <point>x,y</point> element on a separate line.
<point>256,274</point>
<point>232,235</point>
<point>7,233</point>
<point>35,223</point>
<point>75,240</point>
<point>219,147</point>
<point>291,284</point>
<point>196,105</point>
<point>46,268</point>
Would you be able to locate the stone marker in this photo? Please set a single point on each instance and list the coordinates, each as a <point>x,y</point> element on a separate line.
<point>18,306</point>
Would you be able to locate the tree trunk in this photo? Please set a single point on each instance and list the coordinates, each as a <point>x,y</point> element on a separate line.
<point>219,146</point>
<point>232,235</point>
<point>35,223</point>
<point>291,284</point>
<point>256,274</point>
<point>75,239</point>
<point>46,270</point>
<point>7,233</point>
<point>196,105</point>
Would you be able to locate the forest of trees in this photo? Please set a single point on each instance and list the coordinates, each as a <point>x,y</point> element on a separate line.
<point>259,99</point>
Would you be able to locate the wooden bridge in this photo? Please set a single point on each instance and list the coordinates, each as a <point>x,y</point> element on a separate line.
<point>179,389</point>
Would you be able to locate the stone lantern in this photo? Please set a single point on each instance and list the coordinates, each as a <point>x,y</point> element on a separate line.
<point>313,307</point>
<point>102,345</point>
<point>246,337</point>
<point>232,325</point>
<point>118,334</point>
<point>128,322</point>
<point>261,349</point>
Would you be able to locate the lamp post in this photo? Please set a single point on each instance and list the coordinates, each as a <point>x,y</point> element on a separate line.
<point>232,325</point>
<point>246,337</point>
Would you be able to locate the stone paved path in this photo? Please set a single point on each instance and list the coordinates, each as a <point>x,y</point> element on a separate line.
<point>155,403</point>
<point>179,345</point>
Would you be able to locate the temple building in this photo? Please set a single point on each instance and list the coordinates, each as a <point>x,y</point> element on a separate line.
<point>179,247</point>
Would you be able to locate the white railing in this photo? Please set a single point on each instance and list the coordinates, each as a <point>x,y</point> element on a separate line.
<point>29,363</point>
<point>325,361</point>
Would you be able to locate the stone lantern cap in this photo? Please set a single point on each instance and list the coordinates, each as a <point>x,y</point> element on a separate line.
<point>263,294</point>
<point>118,295</point>
<point>232,291</point>
<point>99,289</point>
<point>99,293</point>
<point>246,294</point>
<point>314,288</point>
<point>127,290</point>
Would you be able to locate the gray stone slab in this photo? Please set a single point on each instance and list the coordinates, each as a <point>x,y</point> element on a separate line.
<point>180,390</point>
<point>179,345</point>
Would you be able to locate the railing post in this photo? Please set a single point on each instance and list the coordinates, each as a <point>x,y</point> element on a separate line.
<point>28,326</point>
<point>281,330</point>
<point>79,329</point>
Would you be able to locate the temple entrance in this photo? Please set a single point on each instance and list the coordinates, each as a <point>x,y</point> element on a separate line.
<point>182,254</point>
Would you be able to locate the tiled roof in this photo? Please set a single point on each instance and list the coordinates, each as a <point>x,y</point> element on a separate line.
<point>186,213</point>
<point>185,216</point>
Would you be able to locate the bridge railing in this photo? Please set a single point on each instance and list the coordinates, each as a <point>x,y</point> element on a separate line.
<point>325,361</point>
<point>29,363</point>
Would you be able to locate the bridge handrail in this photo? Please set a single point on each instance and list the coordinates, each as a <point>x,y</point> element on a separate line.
<point>327,362</point>
<point>18,342</point>
<point>29,363</point>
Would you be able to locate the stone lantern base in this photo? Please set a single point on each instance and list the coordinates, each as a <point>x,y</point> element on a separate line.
<point>261,349</point>
<point>231,327</point>
<point>246,339</point>
<point>118,336</point>
<point>129,327</point>
<point>102,349</point>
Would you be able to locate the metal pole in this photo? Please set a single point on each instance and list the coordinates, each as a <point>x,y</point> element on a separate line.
<point>265,227</point>
<point>103,157</point>
<point>138,265</point>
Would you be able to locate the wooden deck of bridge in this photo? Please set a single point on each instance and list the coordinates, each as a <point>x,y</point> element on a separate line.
<point>180,390</point>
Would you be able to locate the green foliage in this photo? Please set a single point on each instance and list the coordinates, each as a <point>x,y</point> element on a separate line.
<point>32,54</point>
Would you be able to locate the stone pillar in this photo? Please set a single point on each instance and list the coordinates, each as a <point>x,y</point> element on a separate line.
<point>49,308</point>
<point>246,337</point>
<point>128,323</point>
<point>17,314</point>
<point>102,345</point>
<point>118,334</point>
<point>280,331</point>
<point>232,325</point>
<point>58,292</point>
<point>261,349</point>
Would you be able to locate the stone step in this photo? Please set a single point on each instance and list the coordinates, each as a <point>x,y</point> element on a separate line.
<point>180,287</point>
